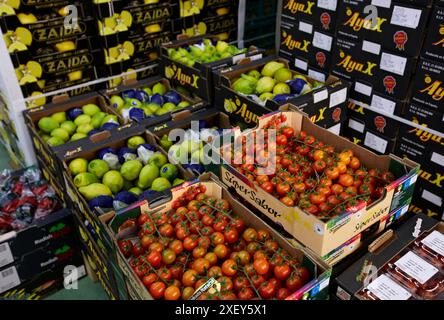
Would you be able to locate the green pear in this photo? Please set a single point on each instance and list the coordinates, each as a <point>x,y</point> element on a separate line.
<point>98,167</point>
<point>96,120</point>
<point>113,180</point>
<point>147,175</point>
<point>94,190</point>
<point>78,165</point>
<point>90,109</point>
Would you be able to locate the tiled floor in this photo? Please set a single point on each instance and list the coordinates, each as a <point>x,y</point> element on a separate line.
<point>87,290</point>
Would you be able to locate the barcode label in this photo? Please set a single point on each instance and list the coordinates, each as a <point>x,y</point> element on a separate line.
<point>5,254</point>
<point>9,279</point>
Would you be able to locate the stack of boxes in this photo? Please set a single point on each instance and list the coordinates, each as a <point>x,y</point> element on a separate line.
<point>426,108</point>
<point>378,56</point>
<point>306,39</point>
<point>260,24</point>
<point>49,49</point>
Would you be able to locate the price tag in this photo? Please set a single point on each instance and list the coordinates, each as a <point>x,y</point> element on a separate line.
<point>383,104</point>
<point>320,96</point>
<point>435,241</point>
<point>382,3</point>
<point>393,63</point>
<point>363,88</point>
<point>376,143</point>
<point>416,267</point>
<point>431,197</point>
<point>238,58</point>
<point>301,64</point>
<point>437,158</point>
<point>328,4</point>
<point>5,254</point>
<point>305,27</point>
<point>9,279</point>
<point>406,17</point>
<point>322,41</point>
<point>386,289</point>
<point>371,47</point>
<point>356,125</point>
<point>338,97</point>
<point>316,75</point>
<point>336,129</point>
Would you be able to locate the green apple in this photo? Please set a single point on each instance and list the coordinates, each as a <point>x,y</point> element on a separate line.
<point>169,171</point>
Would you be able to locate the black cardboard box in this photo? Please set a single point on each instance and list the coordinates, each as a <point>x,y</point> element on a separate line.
<point>434,42</point>
<point>198,79</point>
<point>322,13</point>
<point>399,28</point>
<point>425,116</point>
<point>426,202</point>
<point>306,45</point>
<point>381,71</point>
<point>374,121</point>
<point>382,250</point>
<point>245,110</point>
<point>356,131</point>
<point>38,261</point>
<point>428,85</point>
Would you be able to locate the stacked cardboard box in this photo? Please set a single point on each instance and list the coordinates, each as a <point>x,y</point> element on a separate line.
<point>49,49</point>
<point>426,109</point>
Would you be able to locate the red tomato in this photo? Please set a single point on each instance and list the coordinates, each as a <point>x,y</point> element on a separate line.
<point>229,268</point>
<point>157,289</point>
<point>288,132</point>
<point>267,290</point>
<point>246,293</point>
<point>261,266</point>
<point>283,188</point>
<point>231,235</point>
<point>282,272</point>
<point>149,279</point>
<point>268,187</point>
<point>281,140</point>
<point>137,250</point>
<point>154,258</point>
<point>346,180</point>
<point>125,247</point>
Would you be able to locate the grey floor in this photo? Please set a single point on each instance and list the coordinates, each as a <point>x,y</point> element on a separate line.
<point>87,289</point>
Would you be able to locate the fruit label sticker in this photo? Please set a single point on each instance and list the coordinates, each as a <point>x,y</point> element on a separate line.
<point>435,241</point>
<point>406,17</point>
<point>319,76</point>
<point>393,63</point>
<point>338,97</point>
<point>5,254</point>
<point>386,289</point>
<point>9,279</point>
<point>416,267</point>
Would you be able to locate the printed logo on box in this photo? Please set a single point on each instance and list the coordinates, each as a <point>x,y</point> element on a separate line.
<point>434,89</point>
<point>351,65</point>
<point>356,22</point>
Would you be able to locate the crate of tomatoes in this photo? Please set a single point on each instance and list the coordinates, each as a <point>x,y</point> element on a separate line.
<point>202,243</point>
<point>323,190</point>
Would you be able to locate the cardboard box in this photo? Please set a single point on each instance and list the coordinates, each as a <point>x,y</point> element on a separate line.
<point>321,13</point>
<point>89,150</point>
<point>324,236</point>
<point>367,270</point>
<point>199,78</point>
<point>434,40</point>
<point>245,110</point>
<point>104,267</point>
<point>428,117</point>
<point>425,148</point>
<point>428,87</point>
<point>376,69</point>
<point>195,103</point>
<point>38,261</point>
<point>427,202</point>
<point>400,27</point>
<point>318,269</point>
<point>46,283</point>
<point>357,132</point>
<point>306,45</point>
<point>374,121</point>
<point>50,155</point>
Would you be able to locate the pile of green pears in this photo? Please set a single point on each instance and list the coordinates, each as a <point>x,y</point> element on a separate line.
<point>204,52</point>
<point>75,124</point>
<point>123,174</point>
<point>273,82</point>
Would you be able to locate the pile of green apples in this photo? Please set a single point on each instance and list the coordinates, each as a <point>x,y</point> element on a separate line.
<point>147,102</point>
<point>204,52</point>
<point>273,82</point>
<point>75,124</point>
<point>119,177</point>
